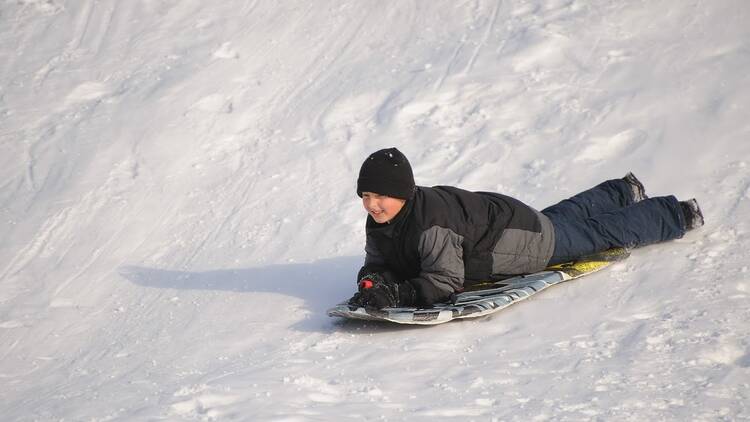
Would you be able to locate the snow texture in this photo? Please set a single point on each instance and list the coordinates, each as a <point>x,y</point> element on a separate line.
<point>178,207</point>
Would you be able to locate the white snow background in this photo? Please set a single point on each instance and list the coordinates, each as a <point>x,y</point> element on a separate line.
<point>178,207</point>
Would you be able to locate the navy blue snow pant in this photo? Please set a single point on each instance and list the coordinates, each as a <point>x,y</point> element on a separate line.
<point>606,216</point>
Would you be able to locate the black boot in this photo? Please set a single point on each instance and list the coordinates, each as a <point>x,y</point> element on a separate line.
<point>692,213</point>
<point>639,192</point>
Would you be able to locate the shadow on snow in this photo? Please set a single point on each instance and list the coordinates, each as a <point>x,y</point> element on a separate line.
<point>321,284</point>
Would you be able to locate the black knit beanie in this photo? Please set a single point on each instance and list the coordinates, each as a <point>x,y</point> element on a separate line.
<point>386,172</point>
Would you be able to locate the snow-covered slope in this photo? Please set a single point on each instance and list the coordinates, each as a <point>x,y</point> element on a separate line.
<point>178,210</point>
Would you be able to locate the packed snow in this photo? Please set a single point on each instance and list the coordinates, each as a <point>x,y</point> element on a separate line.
<point>178,207</point>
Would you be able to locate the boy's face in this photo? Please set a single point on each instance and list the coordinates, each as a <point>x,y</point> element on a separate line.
<point>381,208</point>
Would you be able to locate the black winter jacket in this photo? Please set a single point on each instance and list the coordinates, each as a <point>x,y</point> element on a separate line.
<point>446,238</point>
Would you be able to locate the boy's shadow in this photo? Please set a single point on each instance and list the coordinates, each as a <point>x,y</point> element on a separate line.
<point>321,284</point>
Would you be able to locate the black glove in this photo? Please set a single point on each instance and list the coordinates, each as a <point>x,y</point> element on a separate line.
<point>376,292</point>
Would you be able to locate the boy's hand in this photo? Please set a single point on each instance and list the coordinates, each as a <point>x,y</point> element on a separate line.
<point>376,292</point>
<point>370,280</point>
<point>380,295</point>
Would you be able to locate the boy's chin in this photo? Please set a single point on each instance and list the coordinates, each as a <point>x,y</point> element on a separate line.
<point>380,219</point>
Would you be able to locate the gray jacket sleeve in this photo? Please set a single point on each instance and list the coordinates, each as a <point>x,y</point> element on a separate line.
<point>442,264</point>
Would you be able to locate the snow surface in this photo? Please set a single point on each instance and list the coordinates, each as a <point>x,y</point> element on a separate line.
<point>178,209</point>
